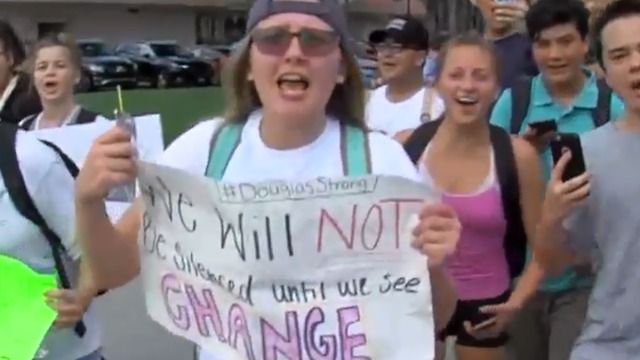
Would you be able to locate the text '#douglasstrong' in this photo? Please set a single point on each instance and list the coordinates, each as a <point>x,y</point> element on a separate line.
<point>278,191</point>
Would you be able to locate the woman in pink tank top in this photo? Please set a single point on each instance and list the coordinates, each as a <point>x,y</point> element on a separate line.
<point>459,162</point>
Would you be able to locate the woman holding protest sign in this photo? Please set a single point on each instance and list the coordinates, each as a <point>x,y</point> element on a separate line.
<point>55,65</point>
<point>37,226</point>
<point>39,217</point>
<point>295,102</point>
<point>494,183</point>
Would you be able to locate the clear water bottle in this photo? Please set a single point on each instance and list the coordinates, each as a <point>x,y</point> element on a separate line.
<point>124,192</point>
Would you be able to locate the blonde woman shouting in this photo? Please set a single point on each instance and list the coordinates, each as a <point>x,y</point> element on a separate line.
<point>294,91</point>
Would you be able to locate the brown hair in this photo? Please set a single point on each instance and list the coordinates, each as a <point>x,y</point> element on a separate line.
<point>59,39</point>
<point>471,38</point>
<point>11,45</point>
<point>346,103</point>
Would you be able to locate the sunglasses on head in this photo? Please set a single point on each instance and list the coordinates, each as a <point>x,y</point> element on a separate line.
<point>276,40</point>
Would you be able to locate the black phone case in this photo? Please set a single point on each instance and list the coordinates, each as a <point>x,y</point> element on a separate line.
<point>576,165</point>
<point>543,127</point>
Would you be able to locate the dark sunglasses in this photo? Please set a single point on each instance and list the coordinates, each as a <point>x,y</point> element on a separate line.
<point>277,40</point>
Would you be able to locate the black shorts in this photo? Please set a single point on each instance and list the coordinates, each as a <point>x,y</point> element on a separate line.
<point>469,310</point>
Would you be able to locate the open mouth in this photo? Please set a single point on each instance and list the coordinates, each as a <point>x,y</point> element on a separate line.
<point>557,67</point>
<point>388,64</point>
<point>293,82</point>
<point>635,85</point>
<point>467,100</point>
<point>49,85</point>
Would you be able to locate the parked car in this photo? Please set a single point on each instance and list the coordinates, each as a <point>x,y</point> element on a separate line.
<point>165,64</point>
<point>224,49</point>
<point>212,56</point>
<point>101,68</point>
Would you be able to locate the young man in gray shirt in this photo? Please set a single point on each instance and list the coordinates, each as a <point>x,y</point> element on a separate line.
<point>594,216</point>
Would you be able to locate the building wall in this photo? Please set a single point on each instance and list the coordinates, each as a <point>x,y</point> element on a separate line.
<point>112,23</point>
<point>116,23</point>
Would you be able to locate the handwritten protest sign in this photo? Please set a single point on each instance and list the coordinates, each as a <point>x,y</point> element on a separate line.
<point>25,317</point>
<point>321,269</point>
<point>76,140</point>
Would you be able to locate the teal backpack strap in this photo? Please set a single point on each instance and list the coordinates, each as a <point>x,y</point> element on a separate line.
<point>354,148</point>
<point>224,142</point>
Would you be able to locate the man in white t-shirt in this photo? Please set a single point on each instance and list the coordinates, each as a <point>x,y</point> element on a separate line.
<point>403,103</point>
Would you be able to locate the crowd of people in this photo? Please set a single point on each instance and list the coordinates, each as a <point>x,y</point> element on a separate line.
<point>525,262</point>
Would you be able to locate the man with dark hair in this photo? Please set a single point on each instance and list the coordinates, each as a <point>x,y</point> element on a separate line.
<point>569,97</point>
<point>502,20</point>
<point>404,102</point>
<point>593,215</point>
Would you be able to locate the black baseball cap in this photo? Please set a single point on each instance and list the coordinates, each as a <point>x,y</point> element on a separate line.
<point>406,31</point>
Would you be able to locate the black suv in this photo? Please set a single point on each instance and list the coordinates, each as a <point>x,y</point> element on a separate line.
<point>165,63</point>
<point>101,68</point>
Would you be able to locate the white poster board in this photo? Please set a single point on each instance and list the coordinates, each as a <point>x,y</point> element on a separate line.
<point>321,269</point>
<point>75,141</point>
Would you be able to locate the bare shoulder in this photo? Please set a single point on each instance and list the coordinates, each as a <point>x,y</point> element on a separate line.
<point>403,136</point>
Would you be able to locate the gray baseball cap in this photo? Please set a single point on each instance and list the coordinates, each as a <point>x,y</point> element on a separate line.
<point>330,11</point>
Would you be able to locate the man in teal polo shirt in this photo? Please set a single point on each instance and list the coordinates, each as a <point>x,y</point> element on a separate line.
<point>567,93</point>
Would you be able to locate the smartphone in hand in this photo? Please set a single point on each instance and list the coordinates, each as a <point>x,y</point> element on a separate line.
<point>544,127</point>
<point>569,141</point>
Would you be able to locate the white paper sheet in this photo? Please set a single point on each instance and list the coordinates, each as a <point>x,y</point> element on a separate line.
<point>321,269</point>
<point>75,141</point>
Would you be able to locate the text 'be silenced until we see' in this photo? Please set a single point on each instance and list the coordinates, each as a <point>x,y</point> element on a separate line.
<point>270,277</point>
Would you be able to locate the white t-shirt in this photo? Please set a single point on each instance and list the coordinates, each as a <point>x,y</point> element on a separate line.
<point>69,120</point>
<point>51,187</point>
<point>254,161</point>
<point>392,117</point>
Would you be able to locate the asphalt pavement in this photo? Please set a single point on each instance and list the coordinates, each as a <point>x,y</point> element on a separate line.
<point>131,335</point>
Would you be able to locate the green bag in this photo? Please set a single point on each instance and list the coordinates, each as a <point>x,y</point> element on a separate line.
<point>354,148</point>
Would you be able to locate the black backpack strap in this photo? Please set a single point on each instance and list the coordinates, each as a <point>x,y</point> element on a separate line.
<point>419,139</point>
<point>68,163</point>
<point>515,241</point>
<point>27,122</point>
<point>73,170</point>
<point>601,114</point>
<point>520,99</point>
<point>86,116</point>
<point>19,194</point>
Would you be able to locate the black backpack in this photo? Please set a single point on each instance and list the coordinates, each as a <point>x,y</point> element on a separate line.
<point>84,117</point>
<point>515,240</point>
<point>521,98</point>
<point>19,194</point>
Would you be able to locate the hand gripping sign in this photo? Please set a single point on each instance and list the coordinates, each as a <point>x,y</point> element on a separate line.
<point>320,269</point>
